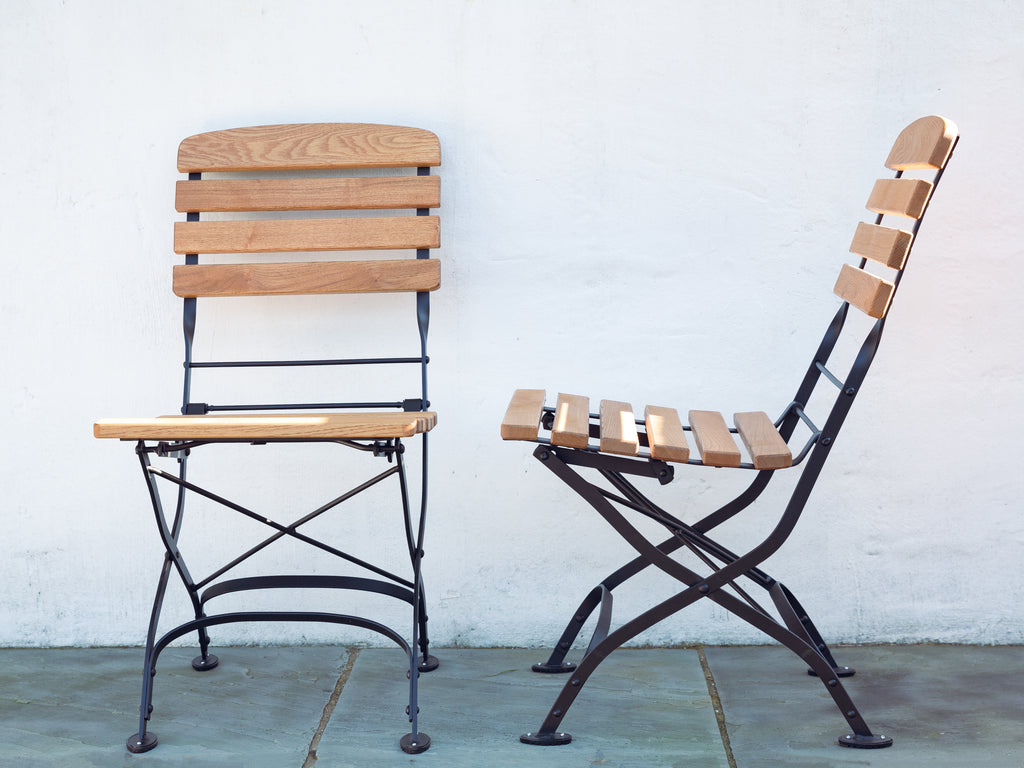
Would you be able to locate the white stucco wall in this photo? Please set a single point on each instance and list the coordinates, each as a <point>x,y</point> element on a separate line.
<point>641,200</point>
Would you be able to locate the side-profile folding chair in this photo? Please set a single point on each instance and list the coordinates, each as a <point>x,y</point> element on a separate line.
<point>339,188</point>
<point>602,455</point>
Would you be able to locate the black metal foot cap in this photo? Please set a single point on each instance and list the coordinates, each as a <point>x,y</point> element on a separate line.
<point>837,671</point>
<point>204,665</point>
<point>428,663</point>
<point>546,739</point>
<point>144,744</point>
<point>553,669</point>
<point>879,741</point>
<point>411,747</point>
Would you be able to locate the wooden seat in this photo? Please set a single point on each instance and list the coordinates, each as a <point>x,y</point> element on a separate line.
<point>664,436</point>
<point>606,456</point>
<point>352,426</point>
<point>331,192</point>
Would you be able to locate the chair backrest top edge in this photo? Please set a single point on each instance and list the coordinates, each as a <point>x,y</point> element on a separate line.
<point>924,144</point>
<point>309,146</point>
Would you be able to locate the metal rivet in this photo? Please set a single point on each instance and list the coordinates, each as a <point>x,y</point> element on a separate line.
<point>833,683</point>
<point>703,589</point>
<point>556,713</point>
<point>575,681</point>
<point>852,713</point>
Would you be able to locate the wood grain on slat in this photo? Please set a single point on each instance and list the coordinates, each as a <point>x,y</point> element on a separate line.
<point>331,194</point>
<point>884,245</point>
<point>309,146</point>
<point>618,428</point>
<point>195,280</point>
<point>900,197</point>
<point>665,434</point>
<point>714,442</point>
<point>306,234</point>
<point>869,293</point>
<point>765,445</point>
<point>571,427</point>
<point>270,427</point>
<point>925,143</point>
<point>522,417</point>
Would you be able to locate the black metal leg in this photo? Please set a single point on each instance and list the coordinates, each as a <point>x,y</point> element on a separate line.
<point>800,623</point>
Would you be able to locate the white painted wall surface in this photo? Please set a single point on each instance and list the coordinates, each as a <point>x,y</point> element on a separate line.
<point>641,200</point>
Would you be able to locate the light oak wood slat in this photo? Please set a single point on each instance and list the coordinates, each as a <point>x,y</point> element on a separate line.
<point>269,427</point>
<point>317,194</point>
<point>869,293</point>
<point>522,417</point>
<point>884,245</point>
<point>618,428</point>
<point>307,234</point>
<point>665,434</point>
<point>900,197</point>
<point>925,143</point>
<point>765,445</point>
<point>714,442</point>
<point>309,146</point>
<point>571,427</point>
<point>197,280</point>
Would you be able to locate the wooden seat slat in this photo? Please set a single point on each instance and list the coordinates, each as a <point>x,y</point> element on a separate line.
<point>900,197</point>
<point>325,194</point>
<point>350,425</point>
<point>665,434</point>
<point>618,428</point>
<point>869,293</point>
<point>306,146</point>
<point>522,417</point>
<point>883,245</point>
<point>571,427</point>
<point>765,445</point>
<point>195,280</point>
<point>714,441</point>
<point>266,235</point>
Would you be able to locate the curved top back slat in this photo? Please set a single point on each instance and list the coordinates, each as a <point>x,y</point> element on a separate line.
<point>309,146</point>
<point>925,143</point>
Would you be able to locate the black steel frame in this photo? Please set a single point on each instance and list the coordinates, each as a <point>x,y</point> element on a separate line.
<point>612,495</point>
<point>202,591</point>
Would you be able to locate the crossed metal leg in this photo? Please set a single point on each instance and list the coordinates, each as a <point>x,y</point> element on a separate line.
<point>202,591</point>
<point>793,628</point>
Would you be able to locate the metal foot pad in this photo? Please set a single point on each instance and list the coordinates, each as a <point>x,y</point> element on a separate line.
<point>429,663</point>
<point>553,669</point>
<point>421,744</point>
<point>837,671</point>
<point>144,744</point>
<point>546,739</point>
<point>204,665</point>
<point>879,741</point>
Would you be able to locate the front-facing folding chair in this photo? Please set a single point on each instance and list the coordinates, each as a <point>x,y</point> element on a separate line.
<point>601,455</point>
<point>302,189</point>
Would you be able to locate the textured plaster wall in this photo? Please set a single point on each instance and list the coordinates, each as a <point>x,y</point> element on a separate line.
<point>645,201</point>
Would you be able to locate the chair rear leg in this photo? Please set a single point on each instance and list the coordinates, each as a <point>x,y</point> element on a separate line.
<point>799,623</point>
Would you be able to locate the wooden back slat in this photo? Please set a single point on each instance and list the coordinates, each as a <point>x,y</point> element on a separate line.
<point>900,197</point>
<point>869,293</point>
<point>714,442</point>
<point>765,445</point>
<point>883,245</point>
<point>571,427</point>
<point>326,194</point>
<point>924,144</point>
<point>307,234</point>
<point>197,280</point>
<point>618,428</point>
<point>665,434</point>
<point>309,146</point>
<point>522,417</point>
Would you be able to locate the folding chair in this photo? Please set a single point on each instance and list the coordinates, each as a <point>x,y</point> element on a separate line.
<point>599,455</point>
<point>299,188</point>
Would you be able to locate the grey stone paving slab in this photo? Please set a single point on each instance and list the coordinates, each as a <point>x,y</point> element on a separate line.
<point>944,706</point>
<point>645,708</point>
<point>76,707</point>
